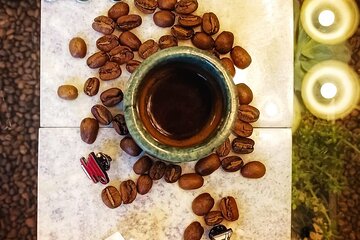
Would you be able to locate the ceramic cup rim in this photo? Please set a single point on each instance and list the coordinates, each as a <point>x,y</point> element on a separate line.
<point>177,154</point>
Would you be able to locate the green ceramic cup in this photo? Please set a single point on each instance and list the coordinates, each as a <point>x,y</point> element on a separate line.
<point>195,57</point>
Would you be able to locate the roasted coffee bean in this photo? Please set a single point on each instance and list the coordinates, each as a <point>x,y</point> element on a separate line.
<point>207,165</point>
<point>248,113</point>
<point>91,86</point>
<point>77,47</point>
<point>167,4</point>
<point>130,39</point>
<point>189,20</point>
<point>202,41</point>
<point>194,231</point>
<point>67,92</point>
<point>111,197</point>
<point>254,169</point>
<point>102,114</point>
<point>103,25</point>
<point>128,145</point>
<point>109,71</point>
<point>242,129</point>
<point>164,18</point>
<point>107,42</point>
<point>144,184</point>
<point>167,41</point>
<point>119,124</point>
<point>228,65</point>
<point>132,65</point>
<point>128,191</point>
<point>232,163</point>
<point>186,6</point>
<point>213,218</point>
<point>157,170</point>
<point>190,181</point>
<point>210,23</point>
<point>240,57</point>
<point>229,208</point>
<point>172,173</point>
<point>97,60</point>
<point>128,22</point>
<point>224,42</point>
<point>242,145</point>
<point>121,55</point>
<point>148,48</point>
<point>118,9</point>
<point>111,97</point>
<point>182,33</point>
<point>245,94</point>
<point>202,204</point>
<point>89,128</point>
<point>224,149</point>
<point>142,165</point>
<point>214,53</point>
<point>146,6</point>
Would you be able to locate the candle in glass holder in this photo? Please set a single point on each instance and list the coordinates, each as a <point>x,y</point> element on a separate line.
<point>329,21</point>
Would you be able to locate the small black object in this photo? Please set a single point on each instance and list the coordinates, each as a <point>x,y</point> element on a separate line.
<point>220,232</point>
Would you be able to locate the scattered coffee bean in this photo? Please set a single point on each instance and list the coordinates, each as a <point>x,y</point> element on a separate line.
<point>128,22</point>
<point>132,65</point>
<point>89,128</point>
<point>186,6</point>
<point>102,114</point>
<point>67,92</point>
<point>91,86</point>
<point>111,97</point>
<point>148,48</point>
<point>77,47</point>
<point>128,145</point>
<point>146,6</point>
<point>240,57</point>
<point>172,173</point>
<point>213,218</point>
<point>118,9</point>
<point>142,165</point>
<point>107,42</point>
<point>242,129</point>
<point>97,60</point>
<point>104,25</point>
<point>164,18</point>
<point>119,124</point>
<point>189,20</point>
<point>111,197</point>
<point>167,4</point>
<point>202,41</point>
<point>214,53</point>
<point>121,54</point>
<point>245,94</point>
<point>229,208</point>
<point>194,231</point>
<point>253,169</point>
<point>243,145</point>
<point>248,113</point>
<point>157,170</point>
<point>207,165</point>
<point>130,39</point>
<point>228,65</point>
<point>202,204</point>
<point>232,163</point>
<point>128,191</point>
<point>109,71</point>
<point>167,41</point>
<point>190,181</point>
<point>210,23</point>
<point>182,33</point>
<point>224,149</point>
<point>144,184</point>
<point>224,42</point>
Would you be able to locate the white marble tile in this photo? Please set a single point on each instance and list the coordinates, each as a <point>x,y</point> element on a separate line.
<point>70,207</point>
<point>263,27</point>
